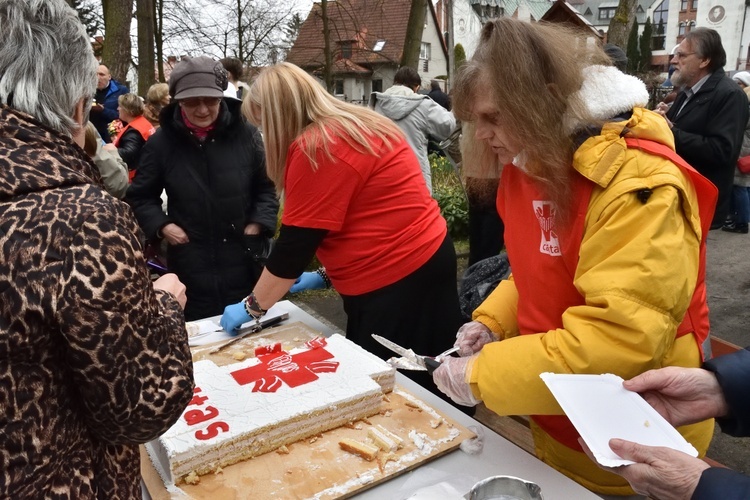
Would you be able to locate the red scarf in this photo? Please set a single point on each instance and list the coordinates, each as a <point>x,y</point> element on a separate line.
<point>200,132</point>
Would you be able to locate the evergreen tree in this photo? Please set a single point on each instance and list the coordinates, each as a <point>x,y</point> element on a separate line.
<point>645,46</point>
<point>459,57</point>
<point>634,56</point>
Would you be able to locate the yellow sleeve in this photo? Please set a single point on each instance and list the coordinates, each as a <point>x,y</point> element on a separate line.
<point>638,267</point>
<point>499,311</point>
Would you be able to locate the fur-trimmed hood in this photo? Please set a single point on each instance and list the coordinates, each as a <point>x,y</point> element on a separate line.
<point>606,92</point>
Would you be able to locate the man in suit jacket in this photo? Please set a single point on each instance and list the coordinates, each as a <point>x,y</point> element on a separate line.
<point>708,116</point>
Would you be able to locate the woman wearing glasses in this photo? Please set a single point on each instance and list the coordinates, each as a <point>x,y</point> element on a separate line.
<point>211,164</point>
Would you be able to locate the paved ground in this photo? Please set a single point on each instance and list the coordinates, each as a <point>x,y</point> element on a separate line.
<point>728,277</point>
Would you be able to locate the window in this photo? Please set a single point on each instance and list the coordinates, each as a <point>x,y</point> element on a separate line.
<point>694,5</point>
<point>377,85</point>
<point>338,87</point>
<point>425,51</point>
<point>661,14</point>
<point>426,65</point>
<point>681,31</point>
<point>607,13</point>
<point>346,50</point>
<point>378,46</point>
<point>683,5</point>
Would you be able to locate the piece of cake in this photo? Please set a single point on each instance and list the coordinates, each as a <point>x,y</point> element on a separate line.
<point>257,405</point>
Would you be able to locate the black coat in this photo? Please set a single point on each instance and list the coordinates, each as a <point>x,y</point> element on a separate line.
<point>708,133</point>
<point>231,164</point>
<point>130,147</point>
<point>733,373</point>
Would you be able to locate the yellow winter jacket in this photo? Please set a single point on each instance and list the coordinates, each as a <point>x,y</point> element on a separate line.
<point>637,271</point>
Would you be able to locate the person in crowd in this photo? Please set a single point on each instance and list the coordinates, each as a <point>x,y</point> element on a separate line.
<point>709,114</point>
<point>234,71</point>
<point>617,56</point>
<point>104,108</point>
<point>94,356</point>
<point>221,203</point>
<point>618,257</point>
<point>419,117</point>
<point>740,206</point>
<point>437,95</point>
<point>157,97</point>
<point>112,168</point>
<point>721,390</point>
<point>349,176</point>
<point>133,136</point>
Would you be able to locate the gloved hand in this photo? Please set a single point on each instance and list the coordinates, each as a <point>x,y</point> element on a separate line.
<point>308,281</point>
<point>233,317</point>
<point>451,378</point>
<point>471,337</point>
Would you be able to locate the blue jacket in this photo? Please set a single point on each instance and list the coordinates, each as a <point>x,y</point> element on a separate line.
<point>733,374</point>
<point>101,119</point>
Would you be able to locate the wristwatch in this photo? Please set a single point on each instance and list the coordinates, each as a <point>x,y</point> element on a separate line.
<point>252,308</point>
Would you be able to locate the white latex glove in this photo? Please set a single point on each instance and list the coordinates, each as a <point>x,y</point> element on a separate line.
<point>471,337</point>
<point>451,378</point>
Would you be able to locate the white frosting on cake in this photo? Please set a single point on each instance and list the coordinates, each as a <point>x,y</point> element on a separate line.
<point>228,421</point>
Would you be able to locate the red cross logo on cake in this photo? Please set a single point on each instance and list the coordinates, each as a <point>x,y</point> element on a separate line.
<point>278,366</point>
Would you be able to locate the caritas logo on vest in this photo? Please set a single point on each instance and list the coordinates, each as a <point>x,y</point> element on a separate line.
<point>546,213</point>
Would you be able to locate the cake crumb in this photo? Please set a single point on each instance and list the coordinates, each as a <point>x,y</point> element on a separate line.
<point>647,424</point>
<point>366,420</point>
<point>283,450</point>
<point>192,478</point>
<point>313,439</point>
<point>386,398</point>
<point>218,471</point>
<point>383,459</point>
<point>412,404</point>
<point>386,413</point>
<point>364,450</point>
<point>350,425</point>
<point>239,355</point>
<point>435,423</point>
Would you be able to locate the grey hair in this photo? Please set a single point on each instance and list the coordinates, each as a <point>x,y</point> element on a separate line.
<point>47,64</point>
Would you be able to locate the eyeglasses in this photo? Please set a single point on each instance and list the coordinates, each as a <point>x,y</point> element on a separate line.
<point>194,102</point>
<point>682,55</point>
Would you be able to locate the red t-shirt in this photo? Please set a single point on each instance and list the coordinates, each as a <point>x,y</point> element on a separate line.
<point>382,222</point>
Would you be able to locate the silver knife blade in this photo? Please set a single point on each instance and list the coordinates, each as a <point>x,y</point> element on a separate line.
<point>255,328</point>
<point>406,353</point>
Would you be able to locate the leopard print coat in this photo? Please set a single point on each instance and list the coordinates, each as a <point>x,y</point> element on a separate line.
<point>93,361</point>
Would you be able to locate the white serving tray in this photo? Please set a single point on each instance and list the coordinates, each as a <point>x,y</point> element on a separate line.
<point>600,408</point>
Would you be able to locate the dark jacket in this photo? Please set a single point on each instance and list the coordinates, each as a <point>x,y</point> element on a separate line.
<point>130,147</point>
<point>93,361</point>
<point>101,119</point>
<point>733,373</point>
<point>708,133</point>
<point>441,98</point>
<point>231,164</point>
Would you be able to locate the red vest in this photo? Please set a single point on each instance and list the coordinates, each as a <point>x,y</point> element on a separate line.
<point>142,125</point>
<point>544,275</point>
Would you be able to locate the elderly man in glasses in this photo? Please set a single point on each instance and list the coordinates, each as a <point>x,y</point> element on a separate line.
<point>708,116</point>
<point>221,204</point>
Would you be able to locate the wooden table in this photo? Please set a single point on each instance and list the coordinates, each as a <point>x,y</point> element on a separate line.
<point>458,469</point>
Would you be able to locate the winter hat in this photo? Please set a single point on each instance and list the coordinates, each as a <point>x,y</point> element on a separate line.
<point>742,77</point>
<point>617,56</point>
<point>198,77</point>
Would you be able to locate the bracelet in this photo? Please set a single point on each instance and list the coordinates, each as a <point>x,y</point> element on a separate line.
<point>252,308</point>
<point>322,273</point>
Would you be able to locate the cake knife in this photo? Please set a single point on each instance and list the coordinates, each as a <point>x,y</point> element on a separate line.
<point>426,362</point>
<point>255,328</point>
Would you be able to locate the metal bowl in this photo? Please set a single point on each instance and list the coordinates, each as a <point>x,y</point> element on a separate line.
<point>504,488</point>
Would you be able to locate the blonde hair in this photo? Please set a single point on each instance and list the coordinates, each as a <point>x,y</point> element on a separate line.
<point>532,71</point>
<point>286,103</point>
<point>156,98</point>
<point>91,140</point>
<point>131,103</point>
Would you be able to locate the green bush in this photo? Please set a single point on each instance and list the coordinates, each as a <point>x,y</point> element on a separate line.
<point>450,196</point>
